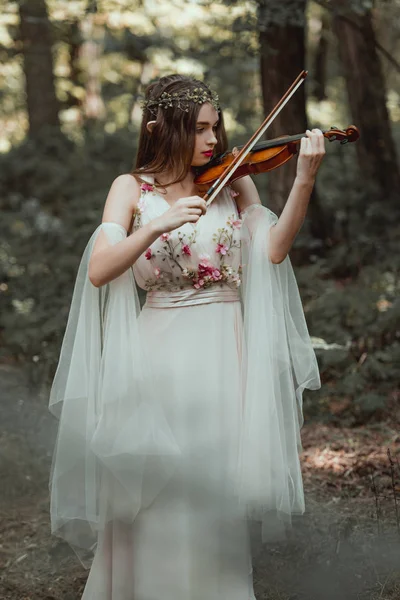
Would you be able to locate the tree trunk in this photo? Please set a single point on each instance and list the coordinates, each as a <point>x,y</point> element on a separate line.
<point>320,63</point>
<point>75,72</point>
<point>35,34</point>
<point>91,50</point>
<point>282,47</point>
<point>281,62</point>
<point>367,99</point>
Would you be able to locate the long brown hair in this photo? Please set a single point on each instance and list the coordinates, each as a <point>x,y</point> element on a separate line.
<point>170,146</point>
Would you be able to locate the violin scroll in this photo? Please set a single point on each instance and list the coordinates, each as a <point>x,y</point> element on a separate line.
<point>351,134</point>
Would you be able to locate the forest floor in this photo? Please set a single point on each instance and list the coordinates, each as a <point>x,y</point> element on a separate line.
<point>346,546</point>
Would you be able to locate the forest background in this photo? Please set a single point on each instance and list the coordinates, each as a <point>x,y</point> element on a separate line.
<point>72,76</point>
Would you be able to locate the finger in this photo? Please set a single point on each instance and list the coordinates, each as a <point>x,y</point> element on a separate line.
<point>305,146</point>
<point>194,201</point>
<point>309,140</point>
<point>195,211</point>
<point>201,204</point>
<point>313,138</point>
<point>320,141</point>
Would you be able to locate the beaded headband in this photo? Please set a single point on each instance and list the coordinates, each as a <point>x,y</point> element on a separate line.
<point>181,100</point>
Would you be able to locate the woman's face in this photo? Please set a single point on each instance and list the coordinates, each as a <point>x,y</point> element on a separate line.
<point>206,140</point>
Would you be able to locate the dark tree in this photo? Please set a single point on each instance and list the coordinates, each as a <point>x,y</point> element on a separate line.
<point>36,37</point>
<point>320,61</point>
<point>282,47</point>
<point>94,110</point>
<point>367,99</point>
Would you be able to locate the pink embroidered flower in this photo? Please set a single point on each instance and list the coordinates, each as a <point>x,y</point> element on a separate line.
<point>148,254</point>
<point>221,248</point>
<point>233,193</point>
<point>164,237</point>
<point>199,283</point>
<point>146,187</point>
<point>216,275</point>
<point>157,272</point>
<point>205,268</point>
<point>236,224</point>
<point>186,250</point>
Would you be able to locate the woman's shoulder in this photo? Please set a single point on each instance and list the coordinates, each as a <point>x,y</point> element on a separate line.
<point>245,193</point>
<point>127,183</point>
<point>122,200</point>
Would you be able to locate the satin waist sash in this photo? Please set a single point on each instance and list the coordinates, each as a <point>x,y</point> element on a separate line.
<point>190,297</point>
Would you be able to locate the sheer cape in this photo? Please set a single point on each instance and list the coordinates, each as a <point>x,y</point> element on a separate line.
<point>113,434</point>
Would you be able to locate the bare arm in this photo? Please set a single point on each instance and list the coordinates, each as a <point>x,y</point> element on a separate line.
<point>109,262</point>
<point>247,192</point>
<point>284,232</point>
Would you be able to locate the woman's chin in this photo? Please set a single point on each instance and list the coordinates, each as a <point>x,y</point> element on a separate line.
<point>201,160</point>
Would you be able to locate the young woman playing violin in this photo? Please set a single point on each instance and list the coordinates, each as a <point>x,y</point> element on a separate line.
<point>181,419</point>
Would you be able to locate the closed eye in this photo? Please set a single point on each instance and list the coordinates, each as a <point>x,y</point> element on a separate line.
<point>202,129</point>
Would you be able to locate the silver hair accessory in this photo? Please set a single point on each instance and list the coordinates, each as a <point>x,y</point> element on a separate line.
<point>181,100</point>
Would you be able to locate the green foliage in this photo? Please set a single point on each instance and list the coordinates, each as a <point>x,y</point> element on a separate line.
<point>53,193</point>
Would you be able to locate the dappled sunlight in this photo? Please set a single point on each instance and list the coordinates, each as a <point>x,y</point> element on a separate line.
<point>343,459</point>
<point>73,77</point>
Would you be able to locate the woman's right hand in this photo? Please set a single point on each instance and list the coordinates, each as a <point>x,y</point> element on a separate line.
<point>185,210</point>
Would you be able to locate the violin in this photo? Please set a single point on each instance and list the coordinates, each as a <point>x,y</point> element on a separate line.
<point>253,157</point>
<point>265,156</point>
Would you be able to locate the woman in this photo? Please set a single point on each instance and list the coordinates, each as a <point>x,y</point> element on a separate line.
<point>180,421</point>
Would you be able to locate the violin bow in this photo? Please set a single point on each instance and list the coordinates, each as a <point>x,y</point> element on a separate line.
<point>239,158</point>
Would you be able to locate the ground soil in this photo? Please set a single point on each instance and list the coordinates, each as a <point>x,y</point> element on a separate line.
<point>345,547</point>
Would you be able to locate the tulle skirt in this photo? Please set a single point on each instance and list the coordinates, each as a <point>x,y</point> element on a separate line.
<point>177,426</point>
<point>191,542</point>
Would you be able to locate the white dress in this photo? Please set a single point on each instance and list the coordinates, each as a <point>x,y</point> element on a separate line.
<point>162,413</point>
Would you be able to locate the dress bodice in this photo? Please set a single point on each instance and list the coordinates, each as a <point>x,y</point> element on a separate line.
<point>195,255</point>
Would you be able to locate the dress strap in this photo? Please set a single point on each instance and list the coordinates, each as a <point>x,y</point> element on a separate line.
<point>190,297</point>
<point>147,178</point>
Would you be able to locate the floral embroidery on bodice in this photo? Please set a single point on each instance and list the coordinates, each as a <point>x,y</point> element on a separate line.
<point>195,255</point>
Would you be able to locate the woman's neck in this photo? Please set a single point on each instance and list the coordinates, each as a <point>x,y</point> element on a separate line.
<point>185,187</point>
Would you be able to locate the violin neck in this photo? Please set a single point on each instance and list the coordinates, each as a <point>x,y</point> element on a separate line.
<point>279,141</point>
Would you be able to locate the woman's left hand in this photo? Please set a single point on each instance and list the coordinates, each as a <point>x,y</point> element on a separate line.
<point>312,151</point>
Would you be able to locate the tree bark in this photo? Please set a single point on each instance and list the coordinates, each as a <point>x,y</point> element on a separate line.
<point>36,38</point>
<point>320,63</point>
<point>365,83</point>
<point>75,72</point>
<point>282,48</point>
<point>94,110</point>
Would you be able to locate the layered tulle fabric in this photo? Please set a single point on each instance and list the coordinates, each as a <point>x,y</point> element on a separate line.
<point>278,364</point>
<point>204,398</point>
<point>112,436</point>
